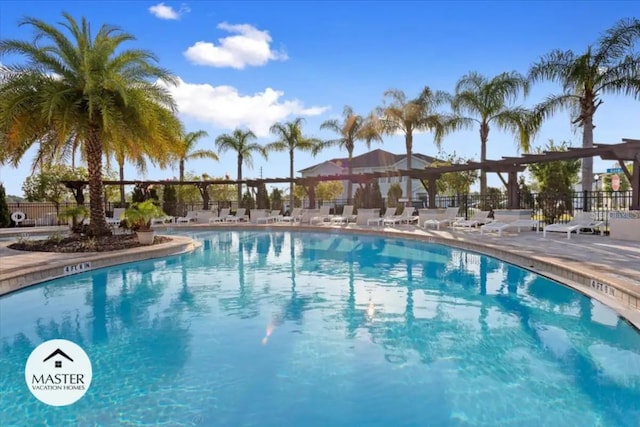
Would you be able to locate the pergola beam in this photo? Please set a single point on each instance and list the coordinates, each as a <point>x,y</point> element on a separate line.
<point>628,150</point>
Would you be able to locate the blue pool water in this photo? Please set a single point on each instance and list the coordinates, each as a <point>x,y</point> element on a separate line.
<point>302,329</point>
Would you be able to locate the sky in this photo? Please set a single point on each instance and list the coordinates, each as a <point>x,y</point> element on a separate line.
<point>250,64</point>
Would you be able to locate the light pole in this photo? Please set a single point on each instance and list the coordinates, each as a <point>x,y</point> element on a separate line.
<point>596,179</point>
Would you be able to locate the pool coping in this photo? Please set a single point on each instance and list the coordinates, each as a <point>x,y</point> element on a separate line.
<point>618,293</point>
<point>68,264</point>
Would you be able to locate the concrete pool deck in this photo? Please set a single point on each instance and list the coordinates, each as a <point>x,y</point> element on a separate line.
<point>605,269</point>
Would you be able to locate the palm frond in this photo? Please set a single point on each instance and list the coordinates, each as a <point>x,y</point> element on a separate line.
<point>617,41</point>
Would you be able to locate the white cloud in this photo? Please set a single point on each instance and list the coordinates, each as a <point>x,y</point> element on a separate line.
<point>249,47</point>
<point>224,107</point>
<point>163,11</point>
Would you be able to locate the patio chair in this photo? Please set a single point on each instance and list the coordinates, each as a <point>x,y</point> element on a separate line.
<point>257,215</point>
<point>388,214</point>
<point>405,217</point>
<point>347,215</point>
<point>192,216</point>
<point>322,216</point>
<point>162,220</point>
<point>224,212</point>
<point>239,216</point>
<point>295,216</point>
<point>580,223</point>
<point>519,224</point>
<point>478,218</point>
<point>506,219</point>
<point>449,216</point>
<point>116,218</point>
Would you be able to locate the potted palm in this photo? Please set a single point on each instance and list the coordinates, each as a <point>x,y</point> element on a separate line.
<point>138,218</point>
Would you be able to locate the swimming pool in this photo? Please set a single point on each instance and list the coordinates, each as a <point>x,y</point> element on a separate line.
<point>291,329</point>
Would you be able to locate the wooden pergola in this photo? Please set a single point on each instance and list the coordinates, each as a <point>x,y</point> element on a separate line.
<point>626,151</point>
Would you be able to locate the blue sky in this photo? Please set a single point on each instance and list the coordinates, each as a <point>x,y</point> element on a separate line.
<point>311,58</point>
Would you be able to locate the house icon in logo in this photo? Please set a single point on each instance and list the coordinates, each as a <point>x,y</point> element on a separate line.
<point>58,352</point>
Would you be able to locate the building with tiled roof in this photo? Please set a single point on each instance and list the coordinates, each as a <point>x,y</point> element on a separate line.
<point>374,161</point>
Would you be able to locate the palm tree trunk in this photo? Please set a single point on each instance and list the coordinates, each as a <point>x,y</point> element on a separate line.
<point>291,183</point>
<point>181,176</point>
<point>239,179</point>
<point>122,199</point>
<point>409,143</point>
<point>349,183</point>
<point>587,162</point>
<point>484,137</point>
<point>98,224</point>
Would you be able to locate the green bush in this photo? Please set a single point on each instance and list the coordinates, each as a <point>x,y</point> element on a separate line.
<point>247,201</point>
<point>5,216</point>
<point>262,197</point>
<point>169,200</point>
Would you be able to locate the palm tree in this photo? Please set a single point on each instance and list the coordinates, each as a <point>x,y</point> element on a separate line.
<point>291,139</point>
<point>353,128</point>
<point>185,150</point>
<point>84,87</point>
<point>397,114</point>
<point>609,67</point>
<point>483,101</point>
<point>121,156</point>
<point>240,142</point>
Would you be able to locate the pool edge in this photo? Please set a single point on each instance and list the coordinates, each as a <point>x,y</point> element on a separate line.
<point>75,263</point>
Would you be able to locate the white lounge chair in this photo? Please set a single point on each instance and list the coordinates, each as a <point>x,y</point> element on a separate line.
<point>580,223</point>
<point>267,217</point>
<point>239,216</point>
<point>257,215</point>
<point>162,220</point>
<point>224,213</point>
<point>405,217</point>
<point>322,216</point>
<point>192,216</point>
<point>388,214</point>
<point>296,216</point>
<point>347,215</point>
<point>502,226</point>
<point>116,218</point>
<point>449,216</point>
<point>478,218</point>
<point>505,219</point>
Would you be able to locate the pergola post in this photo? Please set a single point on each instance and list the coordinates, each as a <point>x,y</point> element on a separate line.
<point>512,191</point>
<point>635,184</point>
<point>202,188</point>
<point>78,191</point>
<point>311,191</point>
<point>432,190</point>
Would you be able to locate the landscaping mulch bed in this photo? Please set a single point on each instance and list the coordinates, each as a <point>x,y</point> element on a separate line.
<point>83,243</point>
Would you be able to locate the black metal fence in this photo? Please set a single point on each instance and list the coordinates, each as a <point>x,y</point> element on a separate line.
<point>547,208</point>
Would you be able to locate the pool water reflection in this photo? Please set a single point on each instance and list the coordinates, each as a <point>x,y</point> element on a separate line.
<point>279,328</point>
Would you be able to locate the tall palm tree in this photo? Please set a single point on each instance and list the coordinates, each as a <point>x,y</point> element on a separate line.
<point>121,156</point>
<point>241,142</point>
<point>185,150</point>
<point>482,101</point>
<point>352,128</point>
<point>91,87</point>
<point>291,139</point>
<point>609,67</point>
<point>400,115</point>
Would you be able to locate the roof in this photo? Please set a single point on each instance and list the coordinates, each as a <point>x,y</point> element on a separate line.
<point>372,159</point>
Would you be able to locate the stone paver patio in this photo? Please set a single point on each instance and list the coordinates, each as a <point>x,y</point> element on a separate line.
<point>604,269</point>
